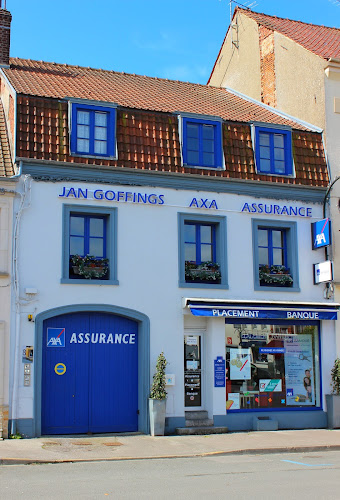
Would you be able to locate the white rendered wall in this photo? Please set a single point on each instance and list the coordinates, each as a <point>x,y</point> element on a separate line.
<point>148,271</point>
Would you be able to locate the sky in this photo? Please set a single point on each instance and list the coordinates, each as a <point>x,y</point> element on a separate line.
<point>178,39</point>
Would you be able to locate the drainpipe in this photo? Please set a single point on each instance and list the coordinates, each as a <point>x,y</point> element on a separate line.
<point>329,286</point>
<point>16,287</point>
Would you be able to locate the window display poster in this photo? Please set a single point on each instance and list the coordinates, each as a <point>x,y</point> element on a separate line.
<point>233,402</point>
<point>299,371</point>
<point>240,364</point>
<point>270,385</point>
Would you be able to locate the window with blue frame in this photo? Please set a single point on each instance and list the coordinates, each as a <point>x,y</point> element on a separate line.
<point>202,251</point>
<point>202,143</point>
<point>275,255</point>
<point>89,245</point>
<point>93,130</point>
<point>273,151</point>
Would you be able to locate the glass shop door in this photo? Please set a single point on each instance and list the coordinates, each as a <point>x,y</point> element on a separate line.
<point>192,371</point>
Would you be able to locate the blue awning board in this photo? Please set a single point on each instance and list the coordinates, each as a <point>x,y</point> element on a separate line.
<point>232,312</point>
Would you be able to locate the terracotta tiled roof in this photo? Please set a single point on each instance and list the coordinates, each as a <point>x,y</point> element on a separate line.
<point>134,91</point>
<point>149,140</point>
<point>6,165</point>
<point>321,40</point>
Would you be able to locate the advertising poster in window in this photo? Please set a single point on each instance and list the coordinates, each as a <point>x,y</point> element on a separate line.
<point>240,364</point>
<point>299,371</point>
<point>233,401</point>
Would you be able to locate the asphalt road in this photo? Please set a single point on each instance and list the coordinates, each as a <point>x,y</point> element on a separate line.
<point>271,476</point>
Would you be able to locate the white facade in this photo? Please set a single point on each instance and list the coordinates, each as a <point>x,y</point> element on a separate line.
<point>148,277</point>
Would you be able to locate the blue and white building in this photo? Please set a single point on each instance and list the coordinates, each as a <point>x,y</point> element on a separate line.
<point>162,216</point>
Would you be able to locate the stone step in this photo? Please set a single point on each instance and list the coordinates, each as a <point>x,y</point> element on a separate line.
<point>200,431</point>
<point>196,414</point>
<point>203,422</point>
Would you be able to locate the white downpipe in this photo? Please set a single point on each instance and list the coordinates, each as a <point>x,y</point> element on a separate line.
<point>16,286</point>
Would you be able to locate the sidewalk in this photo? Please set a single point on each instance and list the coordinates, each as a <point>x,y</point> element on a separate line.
<point>138,446</point>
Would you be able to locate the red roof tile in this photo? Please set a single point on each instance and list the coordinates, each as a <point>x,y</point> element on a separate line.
<point>45,79</point>
<point>150,141</point>
<point>321,40</point>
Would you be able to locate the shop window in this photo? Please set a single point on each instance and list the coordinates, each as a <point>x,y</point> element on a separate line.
<point>89,246</point>
<point>273,151</point>
<point>275,255</point>
<point>93,130</point>
<point>202,143</point>
<point>202,251</point>
<point>272,366</point>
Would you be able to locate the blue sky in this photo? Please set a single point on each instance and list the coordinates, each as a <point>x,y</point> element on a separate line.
<point>177,39</point>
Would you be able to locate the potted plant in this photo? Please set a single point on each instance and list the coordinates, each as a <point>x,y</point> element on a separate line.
<point>157,398</point>
<point>208,272</point>
<point>89,267</point>
<point>275,276</point>
<point>333,400</point>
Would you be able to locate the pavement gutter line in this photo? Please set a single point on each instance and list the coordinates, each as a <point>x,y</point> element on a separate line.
<point>251,451</point>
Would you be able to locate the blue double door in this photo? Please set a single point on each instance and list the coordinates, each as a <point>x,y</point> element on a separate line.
<point>89,374</point>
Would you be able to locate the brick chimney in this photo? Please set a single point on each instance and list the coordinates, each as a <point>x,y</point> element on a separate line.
<point>5,36</point>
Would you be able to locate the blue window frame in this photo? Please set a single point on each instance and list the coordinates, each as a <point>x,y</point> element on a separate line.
<point>273,151</point>
<point>202,143</point>
<point>93,130</point>
<point>89,232</point>
<point>202,251</point>
<point>200,242</point>
<point>275,255</point>
<point>272,246</point>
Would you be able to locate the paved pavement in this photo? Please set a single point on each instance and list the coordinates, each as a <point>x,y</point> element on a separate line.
<point>86,448</point>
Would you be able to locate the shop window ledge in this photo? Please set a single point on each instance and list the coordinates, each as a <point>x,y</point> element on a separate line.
<point>265,423</point>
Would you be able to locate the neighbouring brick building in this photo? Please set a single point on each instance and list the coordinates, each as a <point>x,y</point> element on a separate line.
<point>159,215</point>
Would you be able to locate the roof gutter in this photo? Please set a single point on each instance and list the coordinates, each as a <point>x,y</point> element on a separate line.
<point>312,128</point>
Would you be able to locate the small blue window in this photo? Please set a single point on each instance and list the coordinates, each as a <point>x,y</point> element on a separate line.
<point>272,245</point>
<point>273,151</point>
<point>89,245</point>
<point>199,243</point>
<point>202,251</point>
<point>87,235</point>
<point>202,143</point>
<point>275,255</point>
<point>93,131</point>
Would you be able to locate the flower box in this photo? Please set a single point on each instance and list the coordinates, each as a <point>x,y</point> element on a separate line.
<point>276,276</point>
<point>88,267</point>
<point>207,272</point>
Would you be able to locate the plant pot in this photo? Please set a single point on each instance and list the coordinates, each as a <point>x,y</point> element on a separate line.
<point>157,416</point>
<point>333,411</point>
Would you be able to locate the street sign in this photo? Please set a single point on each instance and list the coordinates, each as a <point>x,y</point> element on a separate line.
<point>323,272</point>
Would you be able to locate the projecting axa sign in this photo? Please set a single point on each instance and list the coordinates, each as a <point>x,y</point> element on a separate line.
<point>148,198</point>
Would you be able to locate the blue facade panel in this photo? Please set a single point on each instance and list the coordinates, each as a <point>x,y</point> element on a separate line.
<point>89,374</point>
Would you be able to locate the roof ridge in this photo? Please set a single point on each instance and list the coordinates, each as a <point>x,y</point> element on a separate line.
<point>287,19</point>
<point>72,66</point>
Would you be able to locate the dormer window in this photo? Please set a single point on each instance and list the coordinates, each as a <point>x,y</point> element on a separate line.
<point>202,142</point>
<point>93,130</point>
<point>273,150</point>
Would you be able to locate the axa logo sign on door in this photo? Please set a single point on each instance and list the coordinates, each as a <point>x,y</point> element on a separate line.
<point>56,338</point>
